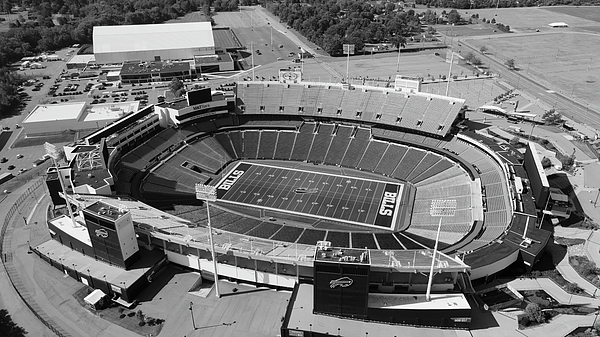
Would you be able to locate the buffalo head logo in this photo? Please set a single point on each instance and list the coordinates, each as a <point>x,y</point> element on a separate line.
<point>342,282</point>
<point>102,233</point>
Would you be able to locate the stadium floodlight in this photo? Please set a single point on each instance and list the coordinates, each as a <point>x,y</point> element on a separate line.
<point>348,50</point>
<point>439,208</point>
<point>56,155</point>
<point>209,193</point>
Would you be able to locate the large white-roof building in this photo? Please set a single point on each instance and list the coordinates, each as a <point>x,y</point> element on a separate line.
<point>55,118</point>
<point>177,41</point>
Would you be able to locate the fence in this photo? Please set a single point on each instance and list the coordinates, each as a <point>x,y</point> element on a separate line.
<point>24,202</point>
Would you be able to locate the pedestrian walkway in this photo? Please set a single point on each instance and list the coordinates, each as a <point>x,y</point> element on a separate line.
<point>554,290</point>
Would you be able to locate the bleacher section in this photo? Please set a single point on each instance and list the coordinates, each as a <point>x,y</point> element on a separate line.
<point>420,112</point>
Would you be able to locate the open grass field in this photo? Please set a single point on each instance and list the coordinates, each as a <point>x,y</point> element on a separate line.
<point>563,62</point>
<point>585,12</point>
<point>528,19</point>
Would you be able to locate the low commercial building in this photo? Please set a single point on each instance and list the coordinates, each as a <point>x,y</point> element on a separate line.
<point>57,118</point>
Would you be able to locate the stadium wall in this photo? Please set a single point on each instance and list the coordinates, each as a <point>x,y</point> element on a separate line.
<point>537,177</point>
<point>490,263</point>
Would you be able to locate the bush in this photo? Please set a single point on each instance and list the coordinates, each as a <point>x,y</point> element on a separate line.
<point>573,288</point>
<point>534,313</point>
<point>546,162</point>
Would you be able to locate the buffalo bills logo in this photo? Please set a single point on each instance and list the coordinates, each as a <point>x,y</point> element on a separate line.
<point>342,282</point>
<point>101,233</point>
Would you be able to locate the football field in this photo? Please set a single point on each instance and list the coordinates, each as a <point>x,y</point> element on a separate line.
<point>358,201</point>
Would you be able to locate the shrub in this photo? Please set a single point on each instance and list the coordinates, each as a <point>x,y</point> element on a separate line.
<point>534,313</point>
<point>572,288</point>
<point>546,162</point>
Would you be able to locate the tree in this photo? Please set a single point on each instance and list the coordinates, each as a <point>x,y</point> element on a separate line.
<point>8,327</point>
<point>140,316</point>
<point>483,49</point>
<point>535,313</point>
<point>175,85</point>
<point>546,162</point>
<point>510,63</point>
<point>514,141</point>
<point>454,17</point>
<point>551,117</point>
<point>566,161</point>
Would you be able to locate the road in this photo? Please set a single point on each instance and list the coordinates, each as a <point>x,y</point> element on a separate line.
<point>272,20</point>
<point>564,105</point>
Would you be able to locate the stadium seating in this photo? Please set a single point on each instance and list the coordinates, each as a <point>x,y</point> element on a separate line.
<point>264,230</point>
<point>268,144</point>
<point>427,162</point>
<point>363,240</point>
<point>288,234</point>
<point>442,165</point>
<point>373,155</point>
<point>407,242</point>
<point>339,144</point>
<point>304,141</point>
<point>410,160</point>
<point>356,148</point>
<point>338,239</point>
<point>285,144</point>
<point>322,141</point>
<point>237,142</point>
<point>251,139</point>
<point>387,241</point>
<point>311,236</point>
<point>390,159</point>
<point>225,141</point>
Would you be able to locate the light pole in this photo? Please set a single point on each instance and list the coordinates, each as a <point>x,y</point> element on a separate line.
<point>439,208</point>
<point>597,195</point>
<point>192,314</point>
<point>398,62</point>
<point>532,127</point>
<point>209,193</point>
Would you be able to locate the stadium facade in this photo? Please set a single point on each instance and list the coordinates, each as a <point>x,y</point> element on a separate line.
<point>375,134</point>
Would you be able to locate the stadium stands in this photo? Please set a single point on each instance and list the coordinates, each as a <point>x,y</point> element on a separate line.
<point>339,144</point>
<point>420,112</point>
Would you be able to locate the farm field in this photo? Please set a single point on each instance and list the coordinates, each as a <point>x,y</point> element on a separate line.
<point>528,19</point>
<point>586,12</point>
<point>564,62</point>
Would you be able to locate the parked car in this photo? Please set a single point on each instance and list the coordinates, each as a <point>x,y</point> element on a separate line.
<point>3,160</point>
<point>19,156</point>
<point>11,167</point>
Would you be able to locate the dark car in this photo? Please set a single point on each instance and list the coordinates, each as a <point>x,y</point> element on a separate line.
<point>3,160</point>
<point>11,167</point>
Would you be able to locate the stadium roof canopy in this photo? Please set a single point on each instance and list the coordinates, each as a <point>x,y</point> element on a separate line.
<point>127,38</point>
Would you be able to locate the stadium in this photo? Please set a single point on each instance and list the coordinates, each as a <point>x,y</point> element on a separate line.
<point>350,167</point>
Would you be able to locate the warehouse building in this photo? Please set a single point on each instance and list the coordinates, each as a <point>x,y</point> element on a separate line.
<point>179,41</point>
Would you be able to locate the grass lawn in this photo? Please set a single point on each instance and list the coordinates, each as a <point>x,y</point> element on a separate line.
<point>126,319</point>
<point>585,268</point>
<point>568,241</point>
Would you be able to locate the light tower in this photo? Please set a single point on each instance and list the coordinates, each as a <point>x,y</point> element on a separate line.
<point>439,208</point>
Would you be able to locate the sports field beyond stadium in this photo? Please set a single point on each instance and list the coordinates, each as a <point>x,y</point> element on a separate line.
<point>358,201</point>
